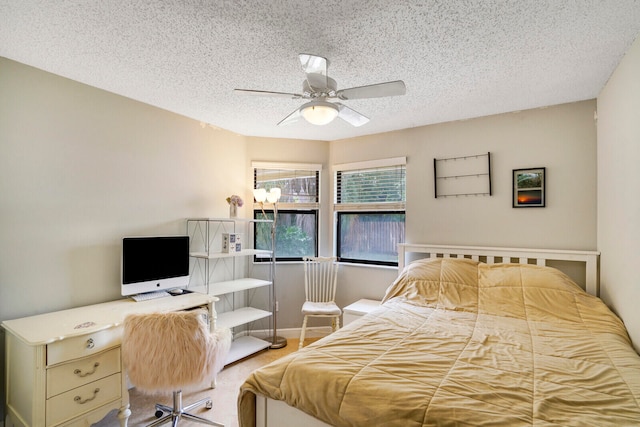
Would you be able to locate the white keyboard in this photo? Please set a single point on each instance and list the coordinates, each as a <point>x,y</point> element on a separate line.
<point>150,295</point>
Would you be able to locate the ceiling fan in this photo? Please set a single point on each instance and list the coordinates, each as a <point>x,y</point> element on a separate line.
<point>319,88</point>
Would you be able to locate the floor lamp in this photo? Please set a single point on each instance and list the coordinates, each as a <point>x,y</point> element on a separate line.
<point>261,195</point>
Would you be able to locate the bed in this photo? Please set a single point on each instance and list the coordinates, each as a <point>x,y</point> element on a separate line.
<point>466,336</point>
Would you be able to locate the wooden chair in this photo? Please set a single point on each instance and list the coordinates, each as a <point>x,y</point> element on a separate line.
<point>320,282</point>
<point>170,352</point>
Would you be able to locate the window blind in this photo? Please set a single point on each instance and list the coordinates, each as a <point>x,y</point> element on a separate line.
<point>299,187</point>
<point>376,188</point>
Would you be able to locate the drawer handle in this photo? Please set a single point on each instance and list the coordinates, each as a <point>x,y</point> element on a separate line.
<point>79,400</point>
<point>79,373</point>
<point>90,343</point>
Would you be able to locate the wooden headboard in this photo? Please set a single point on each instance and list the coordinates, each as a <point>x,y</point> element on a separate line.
<point>518,255</point>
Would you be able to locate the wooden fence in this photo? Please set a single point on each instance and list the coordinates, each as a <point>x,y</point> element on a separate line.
<point>366,237</point>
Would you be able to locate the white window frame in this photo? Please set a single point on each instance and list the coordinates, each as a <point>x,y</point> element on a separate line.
<point>364,207</point>
<point>303,207</point>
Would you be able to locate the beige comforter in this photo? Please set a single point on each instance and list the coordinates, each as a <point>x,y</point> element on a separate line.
<point>464,343</point>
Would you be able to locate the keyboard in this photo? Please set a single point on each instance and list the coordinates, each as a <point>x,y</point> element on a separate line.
<point>150,295</point>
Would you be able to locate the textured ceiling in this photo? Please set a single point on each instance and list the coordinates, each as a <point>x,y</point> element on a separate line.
<point>459,59</point>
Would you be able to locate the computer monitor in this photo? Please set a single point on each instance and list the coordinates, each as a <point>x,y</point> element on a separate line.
<point>153,263</point>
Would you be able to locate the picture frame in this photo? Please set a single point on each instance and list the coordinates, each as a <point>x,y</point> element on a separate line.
<point>529,188</point>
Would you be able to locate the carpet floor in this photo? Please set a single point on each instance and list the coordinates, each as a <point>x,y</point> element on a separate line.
<point>224,396</point>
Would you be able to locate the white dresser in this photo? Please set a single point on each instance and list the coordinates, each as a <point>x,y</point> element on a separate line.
<point>64,368</point>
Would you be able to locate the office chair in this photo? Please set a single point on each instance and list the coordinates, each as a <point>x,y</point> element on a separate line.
<point>320,282</point>
<point>169,352</point>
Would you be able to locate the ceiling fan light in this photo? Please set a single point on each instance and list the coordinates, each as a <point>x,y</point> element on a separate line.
<point>319,112</point>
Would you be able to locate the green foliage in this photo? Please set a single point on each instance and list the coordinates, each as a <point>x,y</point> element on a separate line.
<point>292,241</point>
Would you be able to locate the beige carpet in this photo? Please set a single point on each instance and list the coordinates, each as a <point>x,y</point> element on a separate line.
<point>224,396</point>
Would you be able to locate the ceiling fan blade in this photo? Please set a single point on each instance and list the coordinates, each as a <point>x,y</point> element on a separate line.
<point>315,67</point>
<point>291,118</point>
<point>374,91</point>
<point>312,64</point>
<point>268,93</point>
<point>351,116</point>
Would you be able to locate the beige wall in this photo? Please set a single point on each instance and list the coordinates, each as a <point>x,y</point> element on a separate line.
<point>619,190</point>
<point>561,138</point>
<point>289,279</point>
<point>79,169</point>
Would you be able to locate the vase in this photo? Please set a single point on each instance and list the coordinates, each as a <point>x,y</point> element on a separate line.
<point>233,211</point>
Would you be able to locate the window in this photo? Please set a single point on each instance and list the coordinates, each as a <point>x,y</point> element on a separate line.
<point>296,233</point>
<point>370,210</point>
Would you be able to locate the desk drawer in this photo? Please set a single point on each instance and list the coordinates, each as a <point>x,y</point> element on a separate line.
<point>84,345</point>
<point>83,399</point>
<point>82,371</point>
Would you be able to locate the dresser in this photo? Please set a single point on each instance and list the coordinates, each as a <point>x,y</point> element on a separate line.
<point>65,369</point>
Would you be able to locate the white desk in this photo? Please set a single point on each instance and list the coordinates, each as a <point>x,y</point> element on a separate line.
<point>64,368</point>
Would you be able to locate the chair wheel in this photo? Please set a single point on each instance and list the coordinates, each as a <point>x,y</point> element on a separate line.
<point>209,404</point>
<point>159,413</point>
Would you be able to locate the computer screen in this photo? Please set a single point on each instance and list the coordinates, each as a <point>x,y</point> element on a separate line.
<point>152,263</point>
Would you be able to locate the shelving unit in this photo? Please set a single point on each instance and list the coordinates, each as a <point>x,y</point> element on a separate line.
<point>229,276</point>
<point>462,176</point>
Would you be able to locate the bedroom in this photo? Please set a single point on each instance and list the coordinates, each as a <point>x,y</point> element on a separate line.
<point>66,202</point>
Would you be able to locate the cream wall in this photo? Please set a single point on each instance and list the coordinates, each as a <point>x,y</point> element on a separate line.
<point>82,167</point>
<point>289,278</point>
<point>79,169</point>
<point>618,191</point>
<point>561,138</point>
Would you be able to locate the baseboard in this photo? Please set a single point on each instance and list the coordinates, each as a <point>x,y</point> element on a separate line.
<point>311,332</point>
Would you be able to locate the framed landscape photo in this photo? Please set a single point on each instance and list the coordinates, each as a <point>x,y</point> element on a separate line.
<point>529,188</point>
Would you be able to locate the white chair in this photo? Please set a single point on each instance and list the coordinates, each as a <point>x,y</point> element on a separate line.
<point>170,352</point>
<point>320,282</point>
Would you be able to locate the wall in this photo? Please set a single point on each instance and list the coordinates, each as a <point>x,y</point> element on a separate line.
<point>79,169</point>
<point>561,138</point>
<point>618,190</point>
<point>289,276</point>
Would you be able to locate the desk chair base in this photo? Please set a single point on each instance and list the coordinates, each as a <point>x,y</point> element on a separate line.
<point>175,413</point>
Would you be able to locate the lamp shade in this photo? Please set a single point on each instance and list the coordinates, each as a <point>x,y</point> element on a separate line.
<point>260,194</point>
<point>274,195</point>
<point>319,112</point>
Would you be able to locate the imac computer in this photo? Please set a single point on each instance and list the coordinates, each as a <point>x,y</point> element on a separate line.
<point>154,263</point>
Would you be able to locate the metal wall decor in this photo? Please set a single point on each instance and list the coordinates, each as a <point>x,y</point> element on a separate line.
<point>462,176</point>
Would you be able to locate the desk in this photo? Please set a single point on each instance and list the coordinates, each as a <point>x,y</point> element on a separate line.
<point>64,368</point>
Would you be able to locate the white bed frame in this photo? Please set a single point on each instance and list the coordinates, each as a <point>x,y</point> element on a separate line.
<point>275,413</point>
<point>490,255</point>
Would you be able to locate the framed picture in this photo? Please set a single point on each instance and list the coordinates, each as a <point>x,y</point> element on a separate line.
<point>529,188</point>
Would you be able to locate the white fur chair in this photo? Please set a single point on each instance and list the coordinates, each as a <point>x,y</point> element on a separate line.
<point>166,353</point>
